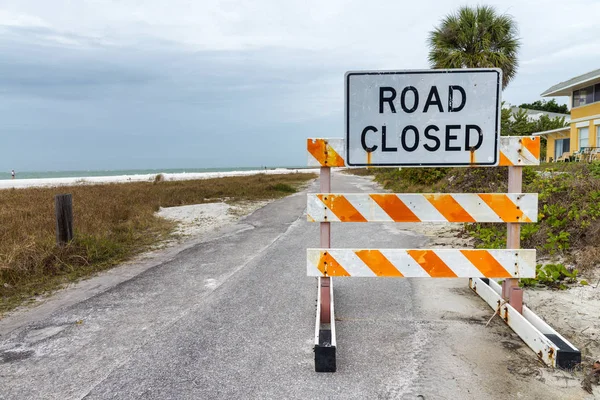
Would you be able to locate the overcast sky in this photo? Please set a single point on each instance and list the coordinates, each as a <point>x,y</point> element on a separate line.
<point>100,84</point>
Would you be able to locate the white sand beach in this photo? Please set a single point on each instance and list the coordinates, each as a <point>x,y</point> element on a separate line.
<point>94,180</point>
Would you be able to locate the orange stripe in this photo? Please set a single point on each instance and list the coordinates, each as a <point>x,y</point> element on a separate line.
<point>449,208</point>
<point>309,218</point>
<point>378,263</point>
<point>504,161</point>
<point>533,145</point>
<point>502,205</point>
<point>342,208</point>
<point>395,208</point>
<point>324,153</point>
<point>432,263</point>
<point>486,263</point>
<point>329,265</point>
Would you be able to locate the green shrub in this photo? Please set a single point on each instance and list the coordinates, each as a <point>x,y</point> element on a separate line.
<point>488,236</point>
<point>554,275</point>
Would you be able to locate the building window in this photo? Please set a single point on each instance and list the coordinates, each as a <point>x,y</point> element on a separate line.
<point>561,146</point>
<point>584,96</point>
<point>597,135</point>
<point>584,134</point>
<point>597,92</point>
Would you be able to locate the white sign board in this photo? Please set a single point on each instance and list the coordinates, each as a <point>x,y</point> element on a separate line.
<point>423,118</point>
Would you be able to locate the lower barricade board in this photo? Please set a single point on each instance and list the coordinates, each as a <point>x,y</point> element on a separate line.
<point>423,263</point>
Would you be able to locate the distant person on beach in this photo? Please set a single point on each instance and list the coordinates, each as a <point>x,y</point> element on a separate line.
<point>13,174</point>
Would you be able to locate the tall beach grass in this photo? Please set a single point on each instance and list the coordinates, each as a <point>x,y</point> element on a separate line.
<point>112,223</point>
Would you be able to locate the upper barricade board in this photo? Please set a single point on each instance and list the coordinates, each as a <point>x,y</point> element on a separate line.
<point>423,117</point>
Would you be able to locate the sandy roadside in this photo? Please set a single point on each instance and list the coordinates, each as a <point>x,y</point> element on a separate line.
<point>198,219</point>
<point>573,312</point>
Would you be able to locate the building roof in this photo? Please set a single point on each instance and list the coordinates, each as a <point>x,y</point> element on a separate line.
<point>534,115</point>
<point>566,128</point>
<point>565,88</point>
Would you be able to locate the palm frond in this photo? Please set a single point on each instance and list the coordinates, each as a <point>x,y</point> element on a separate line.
<point>476,37</point>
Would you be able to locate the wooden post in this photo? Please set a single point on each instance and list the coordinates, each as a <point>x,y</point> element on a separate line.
<point>63,207</point>
<point>513,241</point>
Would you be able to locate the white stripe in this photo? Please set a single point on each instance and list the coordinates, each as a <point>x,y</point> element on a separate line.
<point>368,208</point>
<point>404,263</point>
<point>476,207</point>
<point>508,148</point>
<point>422,208</point>
<point>317,209</point>
<point>458,263</point>
<point>339,146</point>
<point>527,158</point>
<point>351,263</point>
<point>510,145</point>
<point>314,207</point>
<point>527,202</point>
<point>525,261</point>
<point>312,259</point>
<point>312,270</point>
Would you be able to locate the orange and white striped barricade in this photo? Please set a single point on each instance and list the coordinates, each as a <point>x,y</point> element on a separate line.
<point>421,263</point>
<point>436,207</point>
<point>481,266</point>
<point>515,151</point>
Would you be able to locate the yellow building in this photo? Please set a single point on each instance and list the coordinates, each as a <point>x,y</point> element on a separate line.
<point>580,140</point>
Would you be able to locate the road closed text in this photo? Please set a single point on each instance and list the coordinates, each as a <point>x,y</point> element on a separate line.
<point>423,119</point>
<point>430,137</point>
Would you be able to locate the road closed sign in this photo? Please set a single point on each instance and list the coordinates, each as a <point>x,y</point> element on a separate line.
<point>423,118</point>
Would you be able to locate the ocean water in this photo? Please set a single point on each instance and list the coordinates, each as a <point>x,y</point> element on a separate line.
<point>117,172</point>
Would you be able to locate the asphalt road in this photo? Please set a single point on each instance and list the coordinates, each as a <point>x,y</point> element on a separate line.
<point>232,317</point>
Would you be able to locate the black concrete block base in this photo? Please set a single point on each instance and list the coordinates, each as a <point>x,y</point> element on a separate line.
<point>324,358</point>
<point>325,352</point>
<point>567,357</point>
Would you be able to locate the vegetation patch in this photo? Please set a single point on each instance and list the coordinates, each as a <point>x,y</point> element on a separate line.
<point>552,275</point>
<point>283,187</point>
<point>112,223</point>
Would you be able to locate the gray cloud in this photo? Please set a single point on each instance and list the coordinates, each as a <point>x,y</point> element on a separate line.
<point>121,107</point>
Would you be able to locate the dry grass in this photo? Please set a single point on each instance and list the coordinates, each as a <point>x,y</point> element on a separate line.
<point>112,223</point>
<point>361,171</point>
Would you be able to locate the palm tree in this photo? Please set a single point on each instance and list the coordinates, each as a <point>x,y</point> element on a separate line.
<point>476,38</point>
